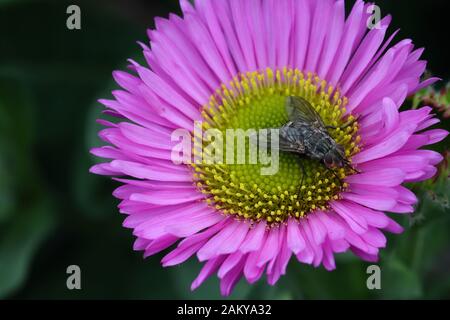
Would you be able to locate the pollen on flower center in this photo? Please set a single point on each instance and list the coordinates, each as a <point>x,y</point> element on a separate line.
<point>256,101</point>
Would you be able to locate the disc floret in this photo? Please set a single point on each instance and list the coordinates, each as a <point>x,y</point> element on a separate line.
<point>256,100</point>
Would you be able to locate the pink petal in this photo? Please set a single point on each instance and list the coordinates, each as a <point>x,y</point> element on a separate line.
<point>294,238</point>
<point>208,269</point>
<point>213,247</point>
<point>254,239</point>
<point>168,197</point>
<point>390,145</point>
<point>383,177</point>
<point>270,249</point>
<point>230,262</point>
<point>356,223</point>
<point>370,201</point>
<point>231,278</point>
<point>141,171</point>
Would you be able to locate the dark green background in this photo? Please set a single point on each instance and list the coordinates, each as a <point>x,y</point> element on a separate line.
<point>53,213</point>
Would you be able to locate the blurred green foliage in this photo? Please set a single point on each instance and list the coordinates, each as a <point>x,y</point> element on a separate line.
<point>53,213</point>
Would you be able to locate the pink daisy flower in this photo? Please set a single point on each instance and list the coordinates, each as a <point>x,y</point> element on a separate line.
<point>231,64</point>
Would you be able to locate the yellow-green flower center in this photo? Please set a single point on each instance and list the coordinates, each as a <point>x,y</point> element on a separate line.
<point>256,101</point>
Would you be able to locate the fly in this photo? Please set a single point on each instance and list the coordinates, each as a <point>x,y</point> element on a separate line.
<point>306,134</point>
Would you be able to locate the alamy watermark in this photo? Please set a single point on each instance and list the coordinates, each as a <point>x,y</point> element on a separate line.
<point>234,146</point>
<point>374,279</point>
<point>374,21</point>
<point>73,281</point>
<point>73,21</point>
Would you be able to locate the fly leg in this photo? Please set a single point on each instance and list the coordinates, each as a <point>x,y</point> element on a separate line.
<point>337,177</point>
<point>299,191</point>
<point>349,166</point>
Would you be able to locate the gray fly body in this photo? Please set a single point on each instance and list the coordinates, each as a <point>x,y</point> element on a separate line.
<point>306,134</point>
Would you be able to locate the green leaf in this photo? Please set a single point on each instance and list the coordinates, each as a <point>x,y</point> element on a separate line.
<point>18,243</point>
<point>399,281</point>
<point>7,192</point>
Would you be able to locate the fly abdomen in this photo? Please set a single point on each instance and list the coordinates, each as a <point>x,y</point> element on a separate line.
<point>318,145</point>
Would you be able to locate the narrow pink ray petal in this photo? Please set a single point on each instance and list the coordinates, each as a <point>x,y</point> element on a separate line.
<point>210,267</point>
<point>383,177</point>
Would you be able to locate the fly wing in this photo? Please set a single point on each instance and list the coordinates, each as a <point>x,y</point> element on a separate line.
<point>301,111</point>
<point>289,140</point>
